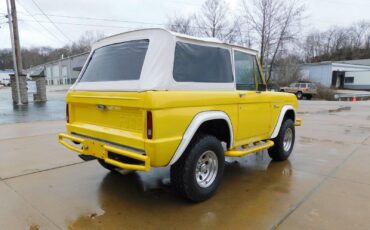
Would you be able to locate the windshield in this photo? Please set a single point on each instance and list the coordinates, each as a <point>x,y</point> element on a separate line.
<point>117,62</point>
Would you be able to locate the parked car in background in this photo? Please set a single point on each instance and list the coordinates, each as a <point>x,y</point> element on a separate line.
<point>273,87</point>
<point>301,90</point>
<point>5,82</point>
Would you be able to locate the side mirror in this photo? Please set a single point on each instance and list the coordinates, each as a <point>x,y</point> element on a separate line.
<point>77,68</point>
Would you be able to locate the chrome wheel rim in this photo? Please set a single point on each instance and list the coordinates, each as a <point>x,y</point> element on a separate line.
<point>206,169</point>
<point>288,139</point>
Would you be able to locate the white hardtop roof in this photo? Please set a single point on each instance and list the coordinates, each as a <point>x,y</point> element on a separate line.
<point>160,32</point>
<point>157,69</point>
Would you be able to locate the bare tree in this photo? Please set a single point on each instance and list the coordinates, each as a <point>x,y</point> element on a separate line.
<point>287,71</point>
<point>182,24</point>
<point>214,20</point>
<point>85,42</point>
<point>274,23</point>
<point>338,43</point>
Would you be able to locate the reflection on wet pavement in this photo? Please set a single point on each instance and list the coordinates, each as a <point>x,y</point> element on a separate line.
<point>251,186</point>
<point>53,109</point>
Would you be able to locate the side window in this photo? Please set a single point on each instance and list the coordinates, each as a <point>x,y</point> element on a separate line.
<point>303,85</point>
<point>244,71</point>
<point>296,85</point>
<point>196,63</point>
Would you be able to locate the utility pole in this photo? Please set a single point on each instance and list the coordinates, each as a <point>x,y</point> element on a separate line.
<point>17,60</point>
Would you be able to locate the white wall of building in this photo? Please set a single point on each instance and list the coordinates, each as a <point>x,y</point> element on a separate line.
<point>357,80</point>
<point>322,72</point>
<point>319,73</point>
<point>61,71</point>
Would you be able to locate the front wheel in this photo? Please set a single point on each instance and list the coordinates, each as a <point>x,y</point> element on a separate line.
<point>299,95</point>
<point>284,142</point>
<point>197,174</point>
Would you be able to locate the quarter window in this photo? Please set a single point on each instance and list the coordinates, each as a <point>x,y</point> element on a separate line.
<point>196,63</point>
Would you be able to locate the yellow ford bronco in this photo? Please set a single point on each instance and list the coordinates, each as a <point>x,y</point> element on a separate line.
<point>154,98</point>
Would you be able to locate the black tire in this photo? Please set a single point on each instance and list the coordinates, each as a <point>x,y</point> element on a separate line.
<point>183,172</point>
<point>299,95</point>
<point>277,152</point>
<point>114,169</point>
<point>107,166</point>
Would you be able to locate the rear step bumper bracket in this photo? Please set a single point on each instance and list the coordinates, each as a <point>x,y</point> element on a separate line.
<point>88,148</point>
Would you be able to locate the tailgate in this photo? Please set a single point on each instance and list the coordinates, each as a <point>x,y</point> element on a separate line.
<point>117,117</point>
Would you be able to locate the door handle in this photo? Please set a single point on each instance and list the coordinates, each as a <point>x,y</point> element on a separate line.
<point>242,94</point>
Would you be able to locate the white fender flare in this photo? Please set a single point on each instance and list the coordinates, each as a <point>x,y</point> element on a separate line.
<point>283,111</point>
<point>197,121</point>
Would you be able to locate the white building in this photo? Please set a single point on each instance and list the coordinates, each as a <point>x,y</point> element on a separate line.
<point>331,74</point>
<point>357,80</point>
<point>60,72</point>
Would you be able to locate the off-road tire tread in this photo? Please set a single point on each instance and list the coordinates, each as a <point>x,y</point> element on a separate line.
<point>182,168</point>
<point>277,152</point>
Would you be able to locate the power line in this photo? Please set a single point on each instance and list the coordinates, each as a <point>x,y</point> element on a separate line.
<point>115,20</point>
<point>34,2</point>
<point>44,27</point>
<point>105,19</point>
<point>79,24</point>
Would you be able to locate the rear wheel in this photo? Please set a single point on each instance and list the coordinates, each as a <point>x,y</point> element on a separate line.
<point>107,166</point>
<point>198,173</point>
<point>113,168</point>
<point>284,142</point>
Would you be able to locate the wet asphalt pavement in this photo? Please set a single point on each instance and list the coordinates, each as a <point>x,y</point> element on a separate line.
<point>53,109</point>
<point>325,184</point>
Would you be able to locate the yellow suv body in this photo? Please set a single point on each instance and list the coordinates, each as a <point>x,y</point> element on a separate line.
<point>153,98</point>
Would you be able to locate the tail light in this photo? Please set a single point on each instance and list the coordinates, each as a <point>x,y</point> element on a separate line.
<point>67,113</point>
<point>149,125</point>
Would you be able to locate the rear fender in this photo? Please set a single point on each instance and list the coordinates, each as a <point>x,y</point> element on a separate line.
<point>197,121</point>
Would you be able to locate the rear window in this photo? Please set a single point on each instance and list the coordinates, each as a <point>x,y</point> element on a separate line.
<point>196,63</point>
<point>117,62</point>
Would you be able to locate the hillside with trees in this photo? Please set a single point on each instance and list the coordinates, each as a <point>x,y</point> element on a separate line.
<point>38,55</point>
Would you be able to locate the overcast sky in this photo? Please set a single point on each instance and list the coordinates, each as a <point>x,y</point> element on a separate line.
<point>321,14</point>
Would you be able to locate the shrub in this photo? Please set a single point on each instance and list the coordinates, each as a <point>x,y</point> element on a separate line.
<point>325,93</point>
